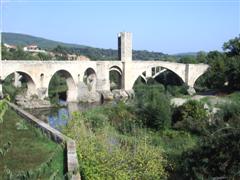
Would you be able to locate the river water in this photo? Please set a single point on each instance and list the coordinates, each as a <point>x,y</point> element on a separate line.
<point>59,116</point>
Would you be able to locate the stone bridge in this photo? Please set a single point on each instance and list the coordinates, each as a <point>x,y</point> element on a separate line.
<point>93,76</point>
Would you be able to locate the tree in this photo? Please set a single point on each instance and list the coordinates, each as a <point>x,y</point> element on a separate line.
<point>188,60</point>
<point>216,158</point>
<point>216,77</point>
<point>153,107</point>
<point>233,72</point>
<point>201,57</point>
<point>232,47</point>
<point>191,116</point>
<point>5,53</point>
<point>44,56</point>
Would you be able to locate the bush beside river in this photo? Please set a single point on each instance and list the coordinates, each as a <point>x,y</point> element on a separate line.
<point>141,140</point>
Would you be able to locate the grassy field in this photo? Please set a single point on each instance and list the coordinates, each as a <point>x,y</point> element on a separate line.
<point>26,151</point>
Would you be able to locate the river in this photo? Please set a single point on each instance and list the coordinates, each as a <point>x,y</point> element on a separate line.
<point>59,116</point>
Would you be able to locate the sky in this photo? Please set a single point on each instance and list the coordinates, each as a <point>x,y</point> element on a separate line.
<point>157,25</point>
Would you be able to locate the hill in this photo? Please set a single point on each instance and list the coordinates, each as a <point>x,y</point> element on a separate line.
<point>24,39</point>
<point>91,52</point>
<point>186,54</point>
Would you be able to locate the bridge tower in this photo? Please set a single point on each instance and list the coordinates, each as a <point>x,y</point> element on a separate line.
<point>125,55</point>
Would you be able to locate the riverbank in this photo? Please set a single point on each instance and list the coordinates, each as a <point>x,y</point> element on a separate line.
<point>35,156</point>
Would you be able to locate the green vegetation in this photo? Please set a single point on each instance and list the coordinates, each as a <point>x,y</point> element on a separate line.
<point>188,60</point>
<point>148,138</point>
<point>191,143</point>
<point>119,141</point>
<point>191,116</point>
<point>19,54</point>
<point>106,54</point>
<point>216,154</point>
<point>57,86</point>
<point>65,48</point>
<point>224,71</point>
<point>24,40</point>
<point>216,157</point>
<point>35,156</point>
<point>106,151</point>
<point>105,154</point>
<point>3,109</point>
<point>10,90</point>
<point>153,112</point>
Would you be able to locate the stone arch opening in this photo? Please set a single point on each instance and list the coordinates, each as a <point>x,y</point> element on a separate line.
<point>141,80</point>
<point>19,82</point>
<point>62,87</point>
<point>168,78</point>
<point>158,74</point>
<point>161,75</point>
<point>200,82</point>
<point>115,77</point>
<point>90,79</point>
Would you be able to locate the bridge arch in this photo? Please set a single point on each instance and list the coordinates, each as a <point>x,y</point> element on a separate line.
<point>168,77</point>
<point>90,79</point>
<point>115,77</point>
<point>154,71</point>
<point>140,80</point>
<point>71,93</point>
<point>195,72</point>
<point>19,77</point>
<point>116,68</point>
<point>197,78</point>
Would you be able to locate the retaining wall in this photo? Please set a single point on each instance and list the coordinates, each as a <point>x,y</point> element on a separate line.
<point>55,135</point>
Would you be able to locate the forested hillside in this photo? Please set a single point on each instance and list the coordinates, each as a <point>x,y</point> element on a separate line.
<point>91,52</point>
<point>24,40</point>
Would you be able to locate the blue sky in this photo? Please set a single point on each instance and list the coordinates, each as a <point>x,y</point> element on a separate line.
<point>164,26</point>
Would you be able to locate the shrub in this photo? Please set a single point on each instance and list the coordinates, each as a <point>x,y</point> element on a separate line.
<point>96,117</point>
<point>142,89</point>
<point>153,108</point>
<point>227,116</point>
<point>10,90</point>
<point>229,111</point>
<point>122,117</point>
<point>235,97</point>
<point>177,90</point>
<point>191,116</point>
<point>216,158</point>
<point>99,158</point>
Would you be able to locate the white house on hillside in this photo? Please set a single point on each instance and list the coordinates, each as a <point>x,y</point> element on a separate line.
<point>33,49</point>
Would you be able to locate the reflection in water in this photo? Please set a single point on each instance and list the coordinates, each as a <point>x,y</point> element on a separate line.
<point>58,117</point>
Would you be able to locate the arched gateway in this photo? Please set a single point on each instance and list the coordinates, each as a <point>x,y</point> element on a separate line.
<point>41,72</point>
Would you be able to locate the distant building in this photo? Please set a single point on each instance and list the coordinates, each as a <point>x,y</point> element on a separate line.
<point>74,57</point>
<point>71,57</point>
<point>82,58</point>
<point>33,49</point>
<point>9,47</point>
